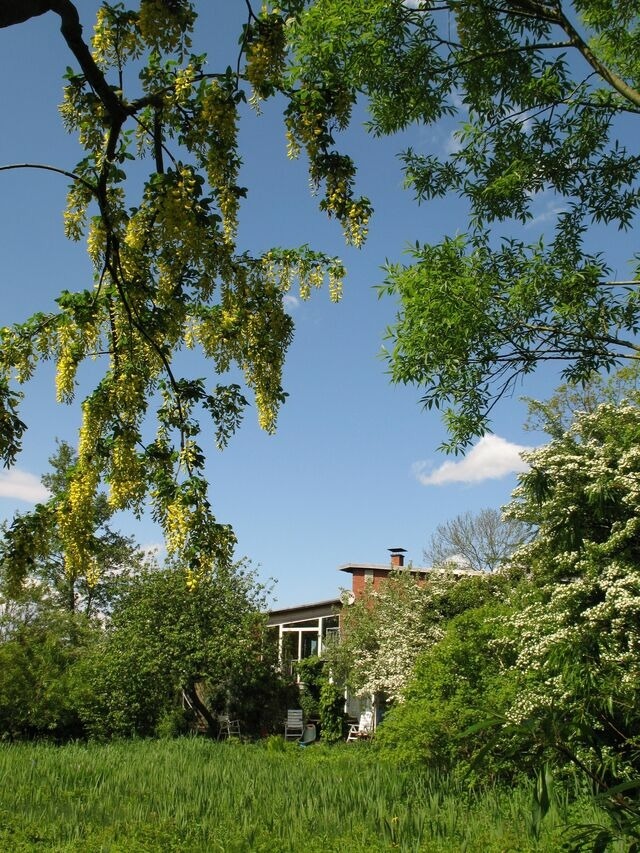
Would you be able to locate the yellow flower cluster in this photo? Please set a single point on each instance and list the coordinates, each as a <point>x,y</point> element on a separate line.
<point>293,147</point>
<point>166,230</point>
<point>353,214</point>
<point>183,85</point>
<point>114,38</point>
<point>177,524</point>
<point>267,411</point>
<point>92,572</point>
<point>220,115</point>
<point>354,224</point>
<point>265,55</point>
<point>335,283</point>
<point>309,277</point>
<point>96,241</point>
<point>126,482</point>
<point>162,28</point>
<point>75,214</point>
<point>310,274</point>
<point>281,273</point>
<point>83,112</point>
<point>127,388</point>
<point>68,109</point>
<point>89,430</point>
<point>75,523</point>
<point>175,209</point>
<point>309,128</point>
<point>137,231</point>
<point>188,454</point>
<point>102,41</point>
<point>190,331</point>
<point>67,361</point>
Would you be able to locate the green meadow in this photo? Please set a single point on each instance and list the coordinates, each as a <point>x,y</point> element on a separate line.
<point>194,794</point>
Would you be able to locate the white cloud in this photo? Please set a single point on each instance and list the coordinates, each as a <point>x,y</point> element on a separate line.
<point>291,301</point>
<point>490,459</point>
<point>453,144</point>
<point>19,485</point>
<point>550,212</point>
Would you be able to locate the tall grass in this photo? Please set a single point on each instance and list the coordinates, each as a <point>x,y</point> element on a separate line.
<point>195,795</point>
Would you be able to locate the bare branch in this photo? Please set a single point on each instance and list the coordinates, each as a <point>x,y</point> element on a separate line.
<point>47,168</point>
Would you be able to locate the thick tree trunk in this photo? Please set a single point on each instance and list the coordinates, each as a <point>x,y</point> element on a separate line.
<point>17,11</point>
<point>201,708</point>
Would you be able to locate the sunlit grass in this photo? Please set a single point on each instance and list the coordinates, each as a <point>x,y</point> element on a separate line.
<point>196,795</point>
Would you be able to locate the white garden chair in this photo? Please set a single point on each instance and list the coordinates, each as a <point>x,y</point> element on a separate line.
<point>228,728</point>
<point>293,725</point>
<point>363,728</point>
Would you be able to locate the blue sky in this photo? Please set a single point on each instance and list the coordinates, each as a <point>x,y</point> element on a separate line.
<point>354,467</point>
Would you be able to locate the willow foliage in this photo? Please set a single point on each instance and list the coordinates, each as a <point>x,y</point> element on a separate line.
<point>542,101</point>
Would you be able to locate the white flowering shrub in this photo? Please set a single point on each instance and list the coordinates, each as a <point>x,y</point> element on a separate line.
<point>386,630</point>
<point>576,633</point>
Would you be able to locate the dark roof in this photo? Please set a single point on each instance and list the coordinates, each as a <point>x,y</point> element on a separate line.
<point>304,611</point>
<point>423,570</point>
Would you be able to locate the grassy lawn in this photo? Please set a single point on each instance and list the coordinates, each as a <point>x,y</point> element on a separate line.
<point>196,795</point>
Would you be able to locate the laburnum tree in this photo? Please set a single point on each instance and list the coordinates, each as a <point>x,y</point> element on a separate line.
<point>168,272</point>
<point>545,98</point>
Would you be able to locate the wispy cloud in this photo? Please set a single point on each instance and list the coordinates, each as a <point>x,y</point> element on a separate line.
<point>19,485</point>
<point>453,144</point>
<point>291,301</point>
<point>491,458</point>
<point>550,212</point>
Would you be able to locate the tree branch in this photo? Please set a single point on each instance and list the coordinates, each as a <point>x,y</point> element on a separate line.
<point>46,168</point>
<point>71,29</point>
<point>18,11</point>
<point>518,48</point>
<point>616,82</point>
<point>157,140</point>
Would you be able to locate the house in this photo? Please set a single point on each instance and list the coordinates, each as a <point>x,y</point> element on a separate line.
<point>308,629</point>
<point>305,630</point>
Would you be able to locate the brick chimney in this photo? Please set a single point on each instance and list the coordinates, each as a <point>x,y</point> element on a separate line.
<point>397,557</point>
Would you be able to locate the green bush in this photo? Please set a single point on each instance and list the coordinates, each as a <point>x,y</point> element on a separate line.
<point>40,678</point>
<point>310,672</point>
<point>175,723</point>
<point>457,686</point>
<point>331,708</point>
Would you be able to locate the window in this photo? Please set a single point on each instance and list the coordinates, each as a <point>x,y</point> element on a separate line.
<point>309,645</point>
